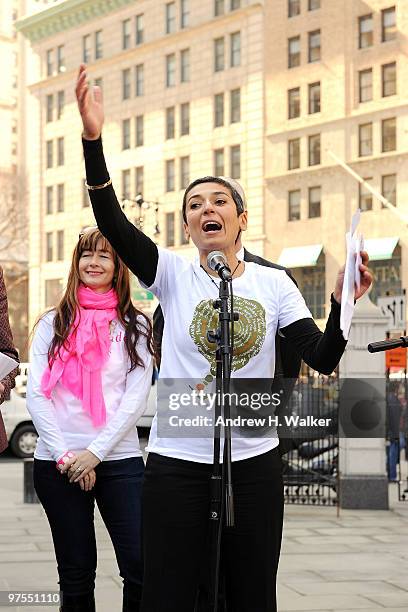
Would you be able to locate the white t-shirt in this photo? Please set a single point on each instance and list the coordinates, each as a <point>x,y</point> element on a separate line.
<point>63,424</point>
<point>266,299</point>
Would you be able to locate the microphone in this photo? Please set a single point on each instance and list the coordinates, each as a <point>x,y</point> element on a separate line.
<point>218,262</point>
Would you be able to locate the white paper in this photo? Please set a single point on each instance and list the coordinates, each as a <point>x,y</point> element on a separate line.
<point>354,242</point>
<point>7,364</point>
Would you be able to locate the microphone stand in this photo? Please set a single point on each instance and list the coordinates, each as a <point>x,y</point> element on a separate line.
<point>221,493</point>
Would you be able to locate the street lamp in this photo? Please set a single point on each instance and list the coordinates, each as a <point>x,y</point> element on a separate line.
<point>143,205</point>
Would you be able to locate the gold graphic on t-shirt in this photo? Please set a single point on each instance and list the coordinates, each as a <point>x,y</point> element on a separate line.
<point>249,332</point>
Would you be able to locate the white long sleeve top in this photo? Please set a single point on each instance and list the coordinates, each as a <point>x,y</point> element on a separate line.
<point>63,424</point>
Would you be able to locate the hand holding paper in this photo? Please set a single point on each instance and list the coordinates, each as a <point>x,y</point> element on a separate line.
<point>357,279</point>
<point>7,365</point>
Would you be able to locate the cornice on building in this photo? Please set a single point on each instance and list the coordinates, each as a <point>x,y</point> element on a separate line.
<point>65,16</point>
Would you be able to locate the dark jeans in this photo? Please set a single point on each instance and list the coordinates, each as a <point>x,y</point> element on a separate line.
<point>176,531</point>
<point>70,512</point>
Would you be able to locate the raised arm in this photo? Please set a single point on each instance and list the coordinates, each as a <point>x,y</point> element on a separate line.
<point>137,251</point>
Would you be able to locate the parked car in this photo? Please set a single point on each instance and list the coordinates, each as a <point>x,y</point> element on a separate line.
<point>21,433</point>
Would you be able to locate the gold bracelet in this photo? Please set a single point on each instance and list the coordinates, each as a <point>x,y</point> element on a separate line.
<point>95,187</point>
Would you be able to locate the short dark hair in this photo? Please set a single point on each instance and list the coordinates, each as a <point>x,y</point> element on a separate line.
<point>214,179</point>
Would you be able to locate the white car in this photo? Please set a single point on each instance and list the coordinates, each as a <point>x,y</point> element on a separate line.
<point>21,433</point>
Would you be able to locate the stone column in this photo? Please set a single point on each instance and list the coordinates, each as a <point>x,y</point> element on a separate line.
<point>362,464</point>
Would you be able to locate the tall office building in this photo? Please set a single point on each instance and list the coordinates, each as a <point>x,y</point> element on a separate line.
<point>261,91</point>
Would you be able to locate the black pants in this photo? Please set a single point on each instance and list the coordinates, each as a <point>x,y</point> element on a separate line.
<point>176,529</point>
<point>70,512</point>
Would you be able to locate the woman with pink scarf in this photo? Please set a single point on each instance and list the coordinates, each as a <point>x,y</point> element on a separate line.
<point>90,376</point>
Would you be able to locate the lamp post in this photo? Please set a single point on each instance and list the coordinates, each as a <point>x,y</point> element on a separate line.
<point>143,206</point>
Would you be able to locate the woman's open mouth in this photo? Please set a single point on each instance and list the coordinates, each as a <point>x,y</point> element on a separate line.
<point>211,227</point>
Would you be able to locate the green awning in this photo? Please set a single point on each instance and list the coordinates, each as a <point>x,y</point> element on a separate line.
<point>380,248</point>
<point>300,257</point>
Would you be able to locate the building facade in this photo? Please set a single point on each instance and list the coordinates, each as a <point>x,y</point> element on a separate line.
<point>336,82</point>
<point>263,91</point>
<point>183,87</point>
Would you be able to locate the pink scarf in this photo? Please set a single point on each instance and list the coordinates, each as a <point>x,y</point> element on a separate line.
<point>79,367</point>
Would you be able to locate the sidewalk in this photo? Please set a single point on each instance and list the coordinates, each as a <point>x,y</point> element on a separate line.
<point>358,561</point>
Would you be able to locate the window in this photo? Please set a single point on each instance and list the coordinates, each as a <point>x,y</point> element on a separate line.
<point>294,205</point>
<point>235,4</point>
<point>183,238</point>
<point>53,292</point>
<point>219,54</point>
<point>139,29</point>
<point>49,207</point>
<point>184,172</point>
<point>60,245</point>
<point>139,180</point>
<point>365,85</point>
<point>184,13</point>
<point>125,184</point>
<point>235,106</point>
<point>60,59</point>
<point>389,135</point>
<point>219,110</point>
<point>294,154</point>
<point>86,48</point>
<point>60,152</point>
<point>49,62</point>
<point>49,255</point>
<point>365,31</point>
<point>170,175</point>
<point>311,281</point>
<point>313,5</point>
<point>294,103</point>
<point>293,8</point>
<point>314,46</point>
<point>184,119</point>
<point>314,150</point>
<point>139,80</point>
<point>170,17</point>
<point>170,70</point>
<point>314,98</point>
<point>389,188</point>
<point>389,79</point>
<point>50,153</point>
<point>185,66</point>
<point>49,108</point>
<point>125,134</point>
<point>389,26</point>
<point>170,229</point>
<point>314,202</point>
<point>219,162</point>
<point>60,197</point>
<point>126,29</point>
<point>365,196</point>
<point>98,45</point>
<point>294,52</point>
<point>60,103</point>
<point>235,40</point>
<point>365,139</point>
<point>235,162</point>
<point>219,7</point>
<point>139,131</point>
<point>170,122</point>
<point>126,84</point>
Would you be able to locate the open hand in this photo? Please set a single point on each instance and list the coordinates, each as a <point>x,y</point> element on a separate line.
<point>365,281</point>
<point>90,105</point>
